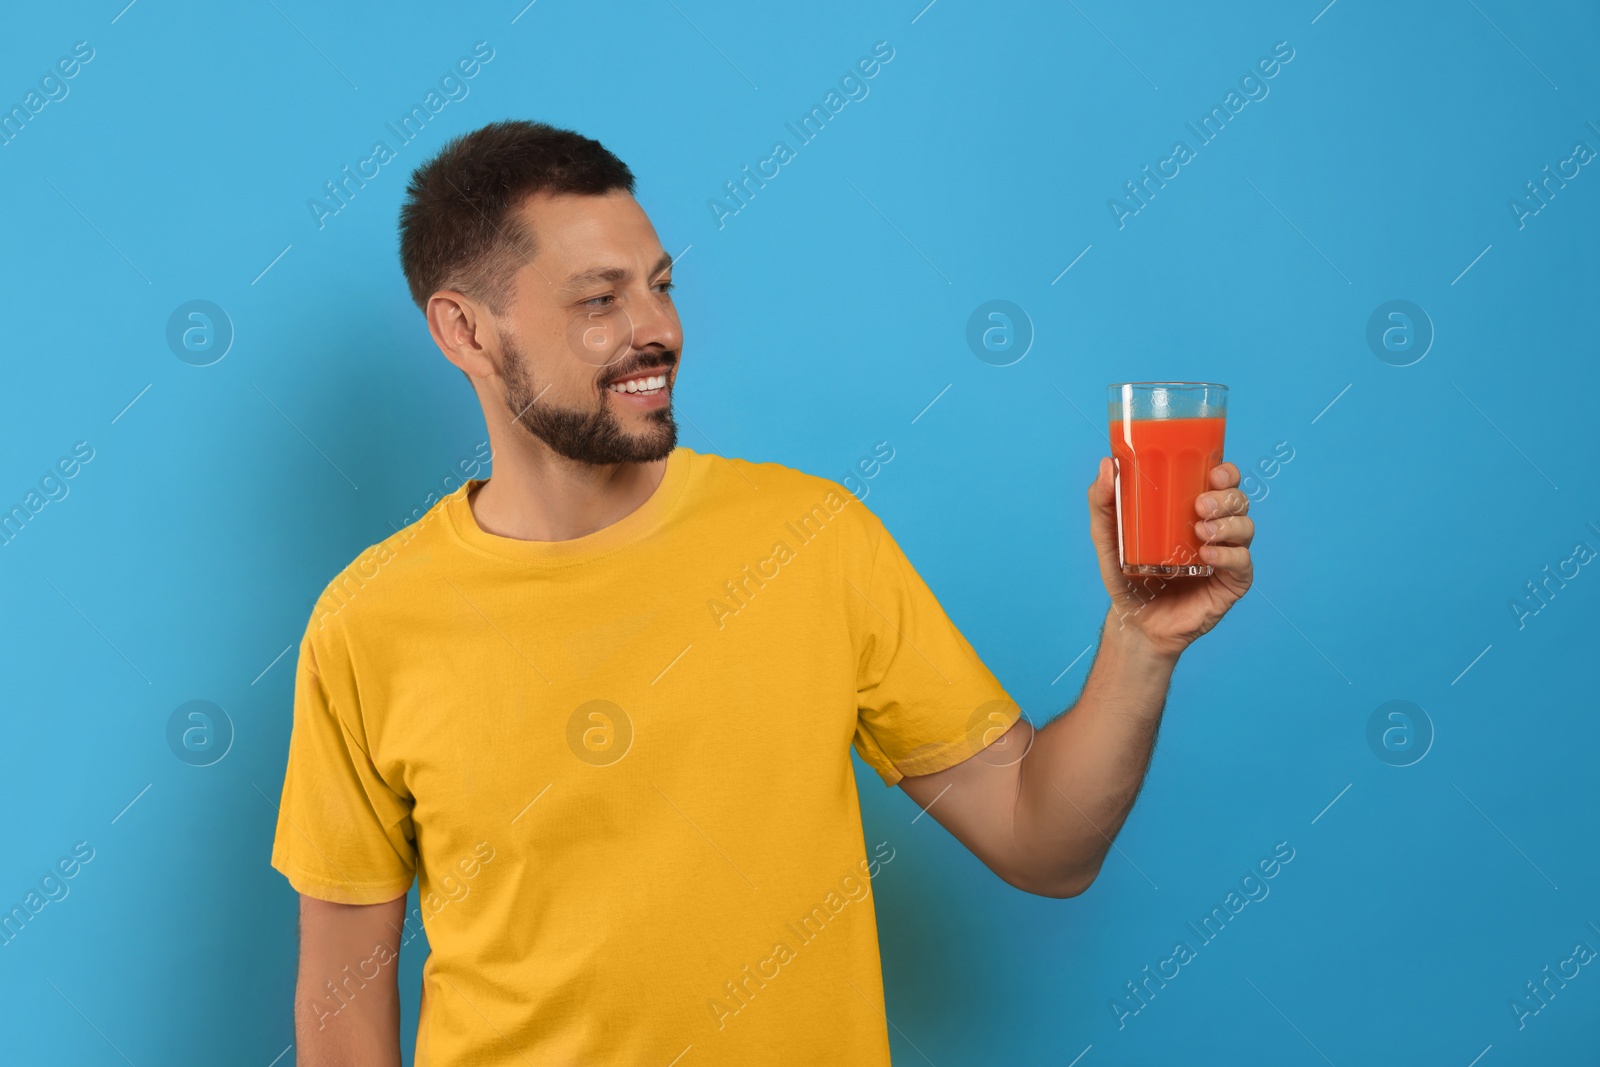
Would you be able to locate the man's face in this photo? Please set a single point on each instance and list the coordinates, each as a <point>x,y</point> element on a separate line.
<point>592,314</point>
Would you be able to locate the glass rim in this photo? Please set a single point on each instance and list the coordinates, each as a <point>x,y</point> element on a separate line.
<point>1201,385</point>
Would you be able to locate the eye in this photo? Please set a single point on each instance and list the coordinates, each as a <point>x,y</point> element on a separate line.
<point>666,286</point>
<point>593,301</point>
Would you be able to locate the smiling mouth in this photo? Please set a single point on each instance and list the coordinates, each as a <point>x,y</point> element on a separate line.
<point>645,384</point>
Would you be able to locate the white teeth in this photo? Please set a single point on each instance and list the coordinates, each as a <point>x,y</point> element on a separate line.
<point>640,385</point>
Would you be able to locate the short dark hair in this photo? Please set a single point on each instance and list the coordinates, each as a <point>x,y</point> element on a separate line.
<point>458,229</point>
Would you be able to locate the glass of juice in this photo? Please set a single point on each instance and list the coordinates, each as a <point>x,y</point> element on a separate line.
<point>1165,438</point>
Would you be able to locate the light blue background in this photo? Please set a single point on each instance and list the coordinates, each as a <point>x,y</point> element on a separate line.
<point>822,319</point>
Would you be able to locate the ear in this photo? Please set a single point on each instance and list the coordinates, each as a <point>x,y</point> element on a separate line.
<point>463,332</point>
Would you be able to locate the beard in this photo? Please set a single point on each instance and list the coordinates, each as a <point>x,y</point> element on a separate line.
<point>594,437</point>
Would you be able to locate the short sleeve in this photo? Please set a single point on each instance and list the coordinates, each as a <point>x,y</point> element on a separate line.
<point>343,834</point>
<point>925,700</point>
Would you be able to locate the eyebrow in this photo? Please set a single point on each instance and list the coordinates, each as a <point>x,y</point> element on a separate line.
<point>584,279</point>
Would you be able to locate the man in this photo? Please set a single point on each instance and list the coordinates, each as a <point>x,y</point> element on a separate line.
<point>601,704</point>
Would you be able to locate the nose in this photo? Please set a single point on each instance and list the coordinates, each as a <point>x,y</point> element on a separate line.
<point>655,323</point>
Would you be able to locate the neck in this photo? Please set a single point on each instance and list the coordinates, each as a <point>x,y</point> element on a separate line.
<point>537,495</point>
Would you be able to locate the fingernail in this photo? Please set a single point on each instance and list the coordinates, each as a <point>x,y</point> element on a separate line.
<point>1208,529</point>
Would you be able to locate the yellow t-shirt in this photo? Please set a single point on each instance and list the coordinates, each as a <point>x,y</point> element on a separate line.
<point>619,767</point>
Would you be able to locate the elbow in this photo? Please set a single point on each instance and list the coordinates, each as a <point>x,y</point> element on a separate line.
<point>1072,885</point>
<point>1056,884</point>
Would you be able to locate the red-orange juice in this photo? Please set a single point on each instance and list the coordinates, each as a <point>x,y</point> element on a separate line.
<point>1162,465</point>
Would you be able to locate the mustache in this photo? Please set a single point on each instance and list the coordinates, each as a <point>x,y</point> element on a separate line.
<point>660,361</point>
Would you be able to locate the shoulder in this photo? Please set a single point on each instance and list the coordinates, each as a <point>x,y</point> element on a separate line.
<point>381,574</point>
<point>778,478</point>
<point>785,494</point>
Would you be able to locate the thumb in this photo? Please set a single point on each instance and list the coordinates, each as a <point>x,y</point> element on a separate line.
<point>1103,516</point>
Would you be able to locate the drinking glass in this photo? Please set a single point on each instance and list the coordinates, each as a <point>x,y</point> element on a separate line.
<point>1165,438</point>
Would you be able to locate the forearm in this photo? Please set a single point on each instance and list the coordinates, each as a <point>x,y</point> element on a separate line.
<point>1045,820</point>
<point>1079,780</point>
